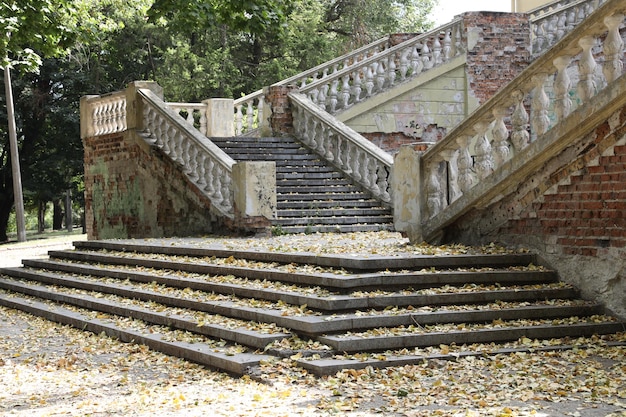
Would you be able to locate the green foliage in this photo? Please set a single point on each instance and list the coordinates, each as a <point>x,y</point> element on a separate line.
<point>34,29</point>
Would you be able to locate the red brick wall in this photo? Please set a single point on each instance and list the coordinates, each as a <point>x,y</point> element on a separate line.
<point>132,190</point>
<point>501,51</point>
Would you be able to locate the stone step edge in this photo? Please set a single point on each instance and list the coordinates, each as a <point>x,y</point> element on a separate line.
<point>241,336</point>
<point>368,262</point>
<point>238,364</point>
<point>326,280</point>
<point>329,366</point>
<point>387,342</point>
<point>310,325</point>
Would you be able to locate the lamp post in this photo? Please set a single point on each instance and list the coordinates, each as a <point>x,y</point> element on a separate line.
<point>15,160</point>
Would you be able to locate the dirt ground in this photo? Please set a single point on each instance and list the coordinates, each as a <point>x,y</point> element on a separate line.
<point>52,370</point>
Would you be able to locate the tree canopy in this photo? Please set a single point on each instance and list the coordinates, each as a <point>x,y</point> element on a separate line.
<point>194,49</point>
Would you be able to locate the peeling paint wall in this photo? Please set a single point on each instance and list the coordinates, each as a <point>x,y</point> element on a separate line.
<point>132,190</point>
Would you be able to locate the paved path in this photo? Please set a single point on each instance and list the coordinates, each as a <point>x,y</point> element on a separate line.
<point>11,254</point>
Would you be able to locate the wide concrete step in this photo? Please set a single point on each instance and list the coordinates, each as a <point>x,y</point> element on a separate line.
<point>335,220</point>
<point>222,307</point>
<point>330,212</point>
<point>229,358</point>
<point>312,204</point>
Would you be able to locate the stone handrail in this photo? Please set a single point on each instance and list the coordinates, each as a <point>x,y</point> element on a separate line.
<point>193,113</point>
<point>551,22</point>
<point>103,114</point>
<point>248,108</point>
<point>204,163</point>
<point>508,142</point>
<point>348,86</point>
<point>347,150</point>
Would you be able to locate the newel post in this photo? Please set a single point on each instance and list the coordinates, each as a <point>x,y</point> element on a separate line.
<point>406,186</point>
<point>220,117</point>
<point>134,106</point>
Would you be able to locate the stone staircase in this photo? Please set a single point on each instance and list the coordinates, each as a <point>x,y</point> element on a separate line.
<point>233,309</point>
<point>312,196</point>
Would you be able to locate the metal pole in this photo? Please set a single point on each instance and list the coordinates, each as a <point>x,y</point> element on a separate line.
<point>15,160</point>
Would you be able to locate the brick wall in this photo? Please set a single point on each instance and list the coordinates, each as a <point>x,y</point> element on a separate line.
<point>572,212</point>
<point>498,50</point>
<point>132,190</point>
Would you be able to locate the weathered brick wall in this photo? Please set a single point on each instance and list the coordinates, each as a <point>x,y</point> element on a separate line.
<point>132,190</point>
<point>498,50</point>
<point>572,212</point>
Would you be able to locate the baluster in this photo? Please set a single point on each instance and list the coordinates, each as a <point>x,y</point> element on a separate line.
<point>380,75</point>
<point>416,62</point>
<point>238,120</point>
<point>209,176</point>
<point>250,116</point>
<point>450,157</point>
<point>540,41</point>
<point>354,161</point>
<point>356,86</point>
<point>192,154</point>
<point>613,45</point>
<point>201,160</point>
<point>333,95</point>
<point>391,70</point>
<point>428,63</point>
<point>571,19</point>
<point>364,169</point>
<point>519,122</point>
<point>344,155</point>
<point>552,27</point>
<point>345,91</point>
<point>562,85</point>
<point>433,189</point>
<point>383,182</point>
<point>561,26</point>
<point>404,63</point>
<point>447,46</point>
<point>484,156</point>
<point>458,46</point>
<point>321,98</point>
<point>437,50</point>
<point>259,110</point>
<point>203,122</point>
<point>369,80</point>
<point>500,135</point>
<point>580,14</point>
<point>313,95</point>
<point>226,191</point>
<point>586,68</point>
<point>540,102</point>
<point>464,163</point>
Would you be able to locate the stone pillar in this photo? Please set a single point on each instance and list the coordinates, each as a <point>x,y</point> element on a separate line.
<point>281,119</point>
<point>406,186</point>
<point>220,116</point>
<point>134,110</point>
<point>254,186</point>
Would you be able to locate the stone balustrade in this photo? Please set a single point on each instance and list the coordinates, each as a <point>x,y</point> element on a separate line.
<point>249,108</point>
<point>551,22</point>
<point>341,146</point>
<point>380,72</point>
<point>483,155</point>
<point>102,115</point>
<point>204,163</point>
<point>193,113</point>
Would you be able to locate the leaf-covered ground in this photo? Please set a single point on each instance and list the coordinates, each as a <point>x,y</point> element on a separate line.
<point>52,370</point>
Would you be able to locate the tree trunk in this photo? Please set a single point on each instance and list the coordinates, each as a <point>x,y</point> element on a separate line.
<point>41,216</point>
<point>68,211</point>
<point>57,214</point>
<point>6,204</point>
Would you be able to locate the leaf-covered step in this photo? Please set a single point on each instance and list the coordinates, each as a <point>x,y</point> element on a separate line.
<point>314,297</point>
<point>416,336</point>
<point>176,318</point>
<point>228,358</point>
<point>322,366</point>
<point>370,262</point>
<point>303,275</point>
